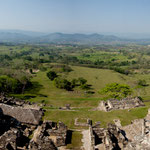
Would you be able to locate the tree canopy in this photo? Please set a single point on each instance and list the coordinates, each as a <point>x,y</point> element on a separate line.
<point>116,90</point>
<point>52,75</point>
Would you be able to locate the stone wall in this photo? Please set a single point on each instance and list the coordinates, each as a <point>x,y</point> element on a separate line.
<point>28,116</point>
<point>109,138</point>
<point>9,140</point>
<point>87,123</point>
<point>114,104</point>
<point>55,134</point>
<point>135,136</point>
<point>18,124</point>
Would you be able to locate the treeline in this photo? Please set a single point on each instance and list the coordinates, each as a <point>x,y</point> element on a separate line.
<point>62,83</point>
<point>12,85</point>
<point>14,81</point>
<point>35,57</point>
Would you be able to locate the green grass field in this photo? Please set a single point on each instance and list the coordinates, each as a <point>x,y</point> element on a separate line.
<point>68,117</point>
<point>97,78</point>
<point>83,103</point>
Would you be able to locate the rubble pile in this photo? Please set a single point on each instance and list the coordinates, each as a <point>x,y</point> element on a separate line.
<point>21,127</point>
<point>135,136</point>
<point>54,136</point>
<point>107,139</point>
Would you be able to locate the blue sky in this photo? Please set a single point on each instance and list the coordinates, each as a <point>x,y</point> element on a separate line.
<point>70,16</point>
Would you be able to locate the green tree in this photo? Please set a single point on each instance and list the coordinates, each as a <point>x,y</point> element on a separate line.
<point>62,84</point>
<point>74,82</point>
<point>9,85</point>
<point>52,75</point>
<point>116,90</point>
<point>82,81</point>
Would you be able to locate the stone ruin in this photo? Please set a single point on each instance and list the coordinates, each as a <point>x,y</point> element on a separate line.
<point>18,102</point>
<point>135,136</point>
<point>110,138</point>
<point>87,122</point>
<point>114,104</point>
<point>53,133</point>
<point>24,115</point>
<point>22,128</point>
<point>67,107</point>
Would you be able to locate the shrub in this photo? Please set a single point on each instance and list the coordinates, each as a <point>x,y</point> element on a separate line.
<point>74,83</point>
<point>142,82</point>
<point>62,84</point>
<point>52,75</point>
<point>66,68</point>
<point>85,87</point>
<point>82,81</point>
<point>120,70</point>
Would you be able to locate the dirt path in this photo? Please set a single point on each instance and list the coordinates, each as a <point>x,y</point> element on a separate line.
<point>86,139</point>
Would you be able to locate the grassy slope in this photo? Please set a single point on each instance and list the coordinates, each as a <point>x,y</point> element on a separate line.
<point>98,78</point>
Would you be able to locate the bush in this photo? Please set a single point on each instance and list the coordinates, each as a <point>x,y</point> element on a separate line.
<point>116,90</point>
<point>84,87</point>
<point>122,71</point>
<point>63,84</point>
<point>74,83</point>
<point>142,83</point>
<point>52,75</point>
<point>66,68</point>
<point>82,81</point>
<point>9,85</point>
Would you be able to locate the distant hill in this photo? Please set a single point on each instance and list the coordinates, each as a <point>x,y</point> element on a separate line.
<point>18,36</point>
<point>61,38</point>
<point>14,37</point>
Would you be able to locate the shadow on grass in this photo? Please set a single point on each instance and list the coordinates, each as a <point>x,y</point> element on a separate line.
<point>34,90</point>
<point>42,95</point>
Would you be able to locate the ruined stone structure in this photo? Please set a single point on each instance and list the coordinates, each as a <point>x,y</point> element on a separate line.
<point>52,133</point>
<point>114,104</point>
<point>107,139</point>
<point>27,116</point>
<point>138,132</point>
<point>17,102</point>
<point>18,122</point>
<point>82,124</point>
<point>135,136</point>
<point>22,128</point>
<point>67,107</point>
<point>9,139</point>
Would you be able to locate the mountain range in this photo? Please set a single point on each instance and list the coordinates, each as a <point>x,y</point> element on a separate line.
<point>17,36</point>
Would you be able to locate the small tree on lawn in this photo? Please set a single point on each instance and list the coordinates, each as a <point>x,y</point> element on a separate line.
<point>51,75</point>
<point>116,90</point>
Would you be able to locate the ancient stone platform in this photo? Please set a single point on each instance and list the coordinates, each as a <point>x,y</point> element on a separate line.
<point>114,104</point>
